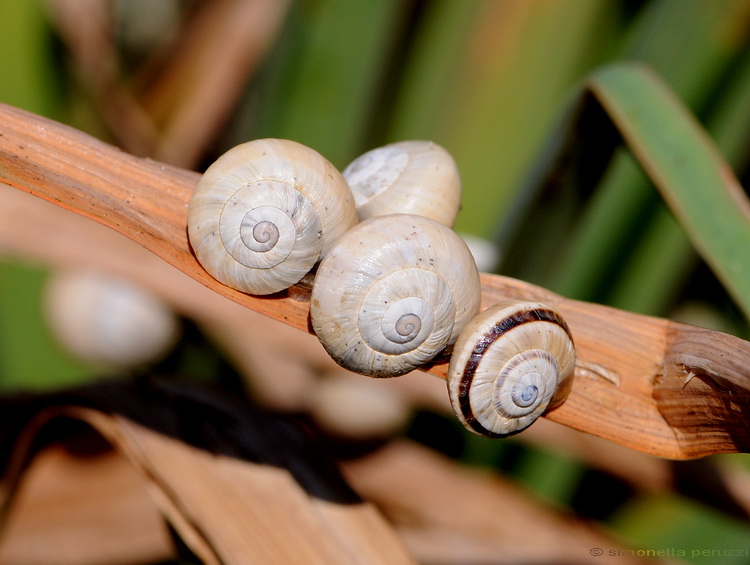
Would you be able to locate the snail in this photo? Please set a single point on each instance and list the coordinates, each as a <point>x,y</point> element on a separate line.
<point>410,177</point>
<point>265,212</point>
<point>510,364</point>
<point>392,293</point>
<point>105,320</point>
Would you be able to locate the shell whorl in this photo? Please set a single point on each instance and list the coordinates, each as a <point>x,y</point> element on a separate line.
<point>410,177</point>
<point>265,212</point>
<point>392,293</point>
<point>511,363</point>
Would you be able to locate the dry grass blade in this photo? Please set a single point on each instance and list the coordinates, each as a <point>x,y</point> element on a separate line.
<point>621,356</point>
<point>224,506</point>
<point>450,514</point>
<point>217,53</point>
<point>73,510</point>
<point>184,97</point>
<point>142,199</point>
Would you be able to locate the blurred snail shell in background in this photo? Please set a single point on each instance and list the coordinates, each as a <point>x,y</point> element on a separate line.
<point>265,212</point>
<point>352,407</point>
<point>510,364</point>
<point>486,253</point>
<point>392,293</point>
<point>106,320</point>
<point>409,177</point>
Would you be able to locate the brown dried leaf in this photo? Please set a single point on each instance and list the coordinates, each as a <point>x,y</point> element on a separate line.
<point>83,511</point>
<point>450,514</point>
<point>238,486</point>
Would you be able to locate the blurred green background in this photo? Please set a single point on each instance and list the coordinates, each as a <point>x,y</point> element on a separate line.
<point>487,79</point>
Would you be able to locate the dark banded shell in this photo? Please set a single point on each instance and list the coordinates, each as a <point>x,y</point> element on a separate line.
<point>510,364</point>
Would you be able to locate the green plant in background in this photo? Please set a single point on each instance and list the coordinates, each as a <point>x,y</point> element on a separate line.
<point>624,248</point>
<point>682,161</point>
<point>493,82</point>
<point>28,358</point>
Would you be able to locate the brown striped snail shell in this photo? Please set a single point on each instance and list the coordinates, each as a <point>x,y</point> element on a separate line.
<point>408,177</point>
<point>392,293</point>
<point>510,364</point>
<point>265,212</point>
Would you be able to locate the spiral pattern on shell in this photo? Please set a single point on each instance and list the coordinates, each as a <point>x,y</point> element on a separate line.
<point>509,365</point>
<point>265,212</point>
<point>392,293</point>
<point>409,177</point>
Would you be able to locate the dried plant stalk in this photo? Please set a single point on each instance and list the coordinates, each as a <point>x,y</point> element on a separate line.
<point>630,386</point>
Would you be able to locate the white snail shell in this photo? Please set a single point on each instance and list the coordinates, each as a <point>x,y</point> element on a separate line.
<point>392,293</point>
<point>348,406</point>
<point>265,212</point>
<point>409,177</point>
<point>510,364</point>
<point>105,320</point>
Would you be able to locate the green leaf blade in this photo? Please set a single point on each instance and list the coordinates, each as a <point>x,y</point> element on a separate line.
<point>685,165</point>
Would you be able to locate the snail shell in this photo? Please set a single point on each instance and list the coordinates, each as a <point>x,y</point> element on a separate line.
<point>410,177</point>
<point>108,321</point>
<point>510,364</point>
<point>265,212</point>
<point>392,293</point>
<point>348,406</point>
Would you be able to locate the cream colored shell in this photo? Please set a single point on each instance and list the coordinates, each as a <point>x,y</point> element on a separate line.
<point>409,177</point>
<point>349,406</point>
<point>105,320</point>
<point>265,212</point>
<point>392,293</point>
<point>510,364</point>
